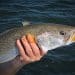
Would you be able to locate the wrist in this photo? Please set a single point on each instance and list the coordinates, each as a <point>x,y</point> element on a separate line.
<point>11,67</point>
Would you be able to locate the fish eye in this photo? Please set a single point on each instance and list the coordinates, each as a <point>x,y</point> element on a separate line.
<point>62,33</point>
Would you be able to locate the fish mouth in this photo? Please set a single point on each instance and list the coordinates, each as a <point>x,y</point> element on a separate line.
<point>72,37</point>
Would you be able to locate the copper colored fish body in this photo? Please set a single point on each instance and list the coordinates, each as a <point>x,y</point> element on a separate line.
<point>8,50</point>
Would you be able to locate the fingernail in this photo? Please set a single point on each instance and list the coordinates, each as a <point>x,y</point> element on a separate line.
<point>30,38</point>
<point>23,38</point>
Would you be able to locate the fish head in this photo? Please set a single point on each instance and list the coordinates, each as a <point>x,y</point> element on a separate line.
<point>49,41</point>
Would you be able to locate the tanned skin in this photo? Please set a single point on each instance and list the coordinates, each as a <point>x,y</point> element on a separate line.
<point>29,52</point>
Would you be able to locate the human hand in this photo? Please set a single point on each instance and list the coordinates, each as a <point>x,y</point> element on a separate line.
<point>29,50</point>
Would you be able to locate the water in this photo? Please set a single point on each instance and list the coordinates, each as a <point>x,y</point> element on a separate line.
<point>60,61</point>
<point>13,12</point>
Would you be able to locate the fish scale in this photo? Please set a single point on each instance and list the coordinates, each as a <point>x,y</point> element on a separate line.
<point>8,50</point>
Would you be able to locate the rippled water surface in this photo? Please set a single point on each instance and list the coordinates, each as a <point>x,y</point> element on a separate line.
<point>13,12</point>
<point>60,61</point>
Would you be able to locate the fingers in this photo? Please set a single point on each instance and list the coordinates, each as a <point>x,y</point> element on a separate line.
<point>23,56</point>
<point>21,50</point>
<point>33,45</point>
<point>27,47</point>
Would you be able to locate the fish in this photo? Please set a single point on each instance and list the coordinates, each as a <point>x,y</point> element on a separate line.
<point>8,49</point>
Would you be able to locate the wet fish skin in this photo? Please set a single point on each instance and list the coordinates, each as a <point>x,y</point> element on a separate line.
<point>8,47</point>
<point>7,39</point>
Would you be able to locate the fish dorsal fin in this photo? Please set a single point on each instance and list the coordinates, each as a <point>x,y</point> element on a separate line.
<point>25,23</point>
